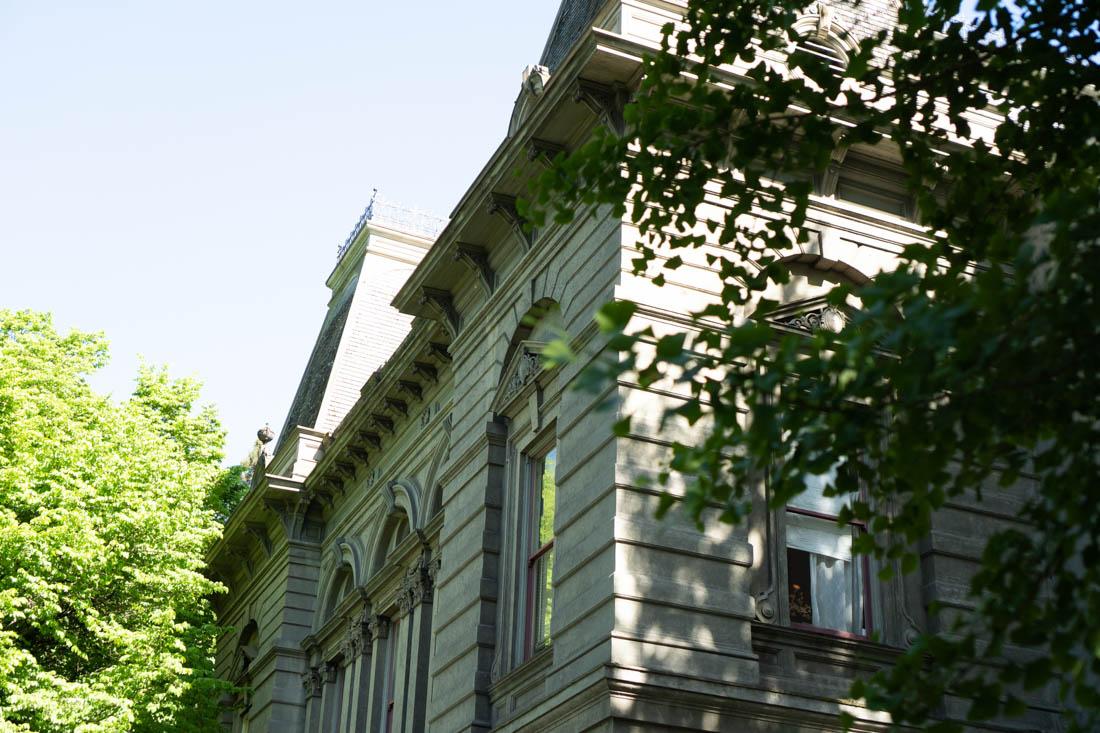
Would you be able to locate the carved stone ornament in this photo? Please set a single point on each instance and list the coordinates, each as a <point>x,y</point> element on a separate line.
<point>442,305</point>
<point>504,206</point>
<point>379,627</point>
<point>477,260</point>
<point>604,101</point>
<point>356,637</point>
<point>827,318</point>
<point>765,606</point>
<point>522,370</point>
<point>314,682</point>
<point>417,584</point>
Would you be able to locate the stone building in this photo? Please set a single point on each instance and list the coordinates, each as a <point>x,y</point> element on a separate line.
<point>446,537</point>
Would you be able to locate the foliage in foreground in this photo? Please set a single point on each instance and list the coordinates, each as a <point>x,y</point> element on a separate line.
<point>971,365</point>
<point>104,624</point>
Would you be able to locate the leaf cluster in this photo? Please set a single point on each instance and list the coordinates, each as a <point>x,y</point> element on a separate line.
<point>969,369</point>
<point>104,619</point>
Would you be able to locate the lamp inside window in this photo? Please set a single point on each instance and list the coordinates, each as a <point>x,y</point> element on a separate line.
<point>827,585</point>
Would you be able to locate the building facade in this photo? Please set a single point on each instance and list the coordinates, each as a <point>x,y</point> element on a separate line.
<point>448,537</point>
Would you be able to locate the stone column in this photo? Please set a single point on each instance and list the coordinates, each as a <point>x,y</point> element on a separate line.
<point>416,601</point>
<point>330,698</point>
<point>314,683</point>
<point>379,628</point>
<point>357,650</point>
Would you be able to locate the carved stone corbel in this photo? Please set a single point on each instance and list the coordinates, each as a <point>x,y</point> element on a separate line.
<point>411,388</point>
<point>379,627</point>
<point>374,440</point>
<point>504,206</point>
<point>543,151</point>
<point>398,406</point>
<point>765,605</point>
<point>439,352</point>
<point>345,469</point>
<point>831,176</point>
<point>314,682</point>
<point>606,102</point>
<point>441,302</point>
<point>292,512</point>
<point>425,370</point>
<point>477,259</point>
<point>334,485</point>
<point>359,455</point>
<point>382,422</point>
<point>259,531</point>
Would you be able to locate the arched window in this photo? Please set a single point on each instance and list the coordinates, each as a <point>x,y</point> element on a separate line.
<point>341,586</point>
<point>814,580</point>
<point>527,399</point>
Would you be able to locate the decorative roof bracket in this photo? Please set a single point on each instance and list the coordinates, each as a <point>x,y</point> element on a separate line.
<point>443,304</point>
<point>604,101</point>
<point>503,205</point>
<point>544,151</point>
<point>382,422</point>
<point>411,388</point>
<point>439,352</point>
<point>360,455</point>
<point>259,531</point>
<point>372,439</point>
<point>345,469</point>
<point>426,370</point>
<point>477,259</point>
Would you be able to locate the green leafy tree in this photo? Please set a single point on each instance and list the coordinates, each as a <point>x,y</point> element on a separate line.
<point>970,364</point>
<point>104,622</point>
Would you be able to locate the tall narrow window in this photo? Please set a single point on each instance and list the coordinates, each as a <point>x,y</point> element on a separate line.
<point>541,491</point>
<point>827,586</point>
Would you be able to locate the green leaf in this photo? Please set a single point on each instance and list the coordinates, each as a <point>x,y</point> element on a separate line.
<point>615,315</point>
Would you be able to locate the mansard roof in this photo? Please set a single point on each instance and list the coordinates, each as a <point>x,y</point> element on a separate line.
<point>573,19</point>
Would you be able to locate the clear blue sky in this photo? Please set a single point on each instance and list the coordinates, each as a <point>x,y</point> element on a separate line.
<point>180,174</point>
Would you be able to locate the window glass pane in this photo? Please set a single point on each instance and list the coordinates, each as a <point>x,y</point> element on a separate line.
<point>547,492</point>
<point>798,586</point>
<point>543,601</point>
<point>824,581</point>
<point>814,499</point>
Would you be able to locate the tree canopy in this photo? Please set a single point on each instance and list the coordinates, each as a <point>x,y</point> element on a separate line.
<point>969,365</point>
<point>104,518</point>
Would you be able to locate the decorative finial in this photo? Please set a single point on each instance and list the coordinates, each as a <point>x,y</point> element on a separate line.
<point>265,434</point>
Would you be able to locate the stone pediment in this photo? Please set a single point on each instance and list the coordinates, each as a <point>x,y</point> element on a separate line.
<point>811,315</point>
<point>522,371</point>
